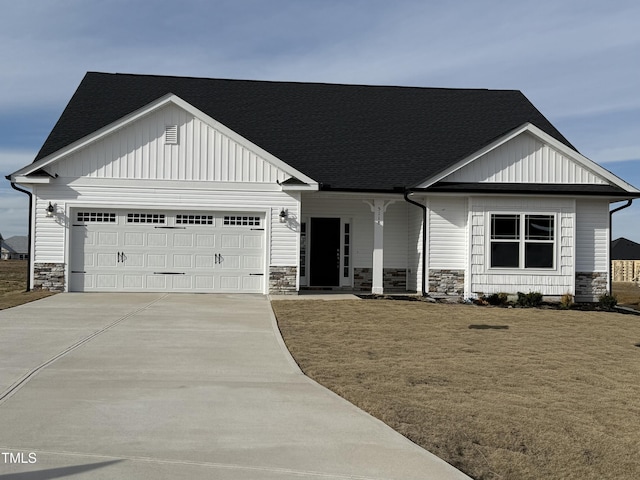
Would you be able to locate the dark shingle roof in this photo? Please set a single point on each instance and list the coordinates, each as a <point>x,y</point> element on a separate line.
<point>624,249</point>
<point>16,244</point>
<point>349,137</point>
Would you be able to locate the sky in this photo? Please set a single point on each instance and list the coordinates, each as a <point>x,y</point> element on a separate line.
<point>578,61</point>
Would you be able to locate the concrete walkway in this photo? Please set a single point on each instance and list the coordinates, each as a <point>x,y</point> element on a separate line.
<point>177,386</point>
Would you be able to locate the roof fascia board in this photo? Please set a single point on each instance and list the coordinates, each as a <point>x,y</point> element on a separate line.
<point>545,138</point>
<point>95,136</point>
<point>24,180</point>
<point>467,160</point>
<point>146,110</point>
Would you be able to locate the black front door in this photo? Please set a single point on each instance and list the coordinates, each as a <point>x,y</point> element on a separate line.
<point>324,262</point>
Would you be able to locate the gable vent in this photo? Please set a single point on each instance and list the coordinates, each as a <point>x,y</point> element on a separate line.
<point>171,135</point>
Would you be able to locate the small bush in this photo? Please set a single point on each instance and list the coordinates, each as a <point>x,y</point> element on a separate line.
<point>531,299</point>
<point>607,301</point>
<point>566,301</point>
<point>497,299</point>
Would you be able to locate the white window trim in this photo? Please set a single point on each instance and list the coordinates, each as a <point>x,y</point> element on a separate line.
<point>522,270</point>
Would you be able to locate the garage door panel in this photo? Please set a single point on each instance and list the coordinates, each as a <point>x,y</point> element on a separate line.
<point>252,262</point>
<point>106,281</point>
<point>207,240</point>
<point>183,240</point>
<point>107,239</point>
<point>252,241</point>
<point>106,259</point>
<point>204,261</point>
<point>156,260</point>
<point>204,282</point>
<point>182,282</point>
<point>133,239</point>
<point>133,260</point>
<point>182,260</point>
<point>230,241</point>
<point>156,282</point>
<point>156,239</point>
<point>229,283</point>
<point>133,281</point>
<point>253,283</point>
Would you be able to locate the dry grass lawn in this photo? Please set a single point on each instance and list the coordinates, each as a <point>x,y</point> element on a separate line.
<point>627,293</point>
<point>499,393</point>
<point>13,284</point>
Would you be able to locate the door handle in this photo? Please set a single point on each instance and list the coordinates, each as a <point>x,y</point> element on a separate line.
<point>119,260</point>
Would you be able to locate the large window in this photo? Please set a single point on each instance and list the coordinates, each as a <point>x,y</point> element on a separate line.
<point>522,241</point>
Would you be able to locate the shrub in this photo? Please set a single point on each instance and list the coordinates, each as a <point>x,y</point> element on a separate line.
<point>566,301</point>
<point>497,299</point>
<point>531,299</point>
<point>607,301</point>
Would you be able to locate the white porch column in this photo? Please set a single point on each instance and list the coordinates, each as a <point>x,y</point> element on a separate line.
<point>378,207</point>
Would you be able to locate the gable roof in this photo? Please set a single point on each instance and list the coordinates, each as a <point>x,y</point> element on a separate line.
<point>625,249</point>
<point>15,244</point>
<point>347,137</point>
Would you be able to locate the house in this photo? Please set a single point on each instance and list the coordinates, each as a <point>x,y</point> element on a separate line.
<point>14,248</point>
<point>625,249</point>
<point>625,260</point>
<point>156,183</point>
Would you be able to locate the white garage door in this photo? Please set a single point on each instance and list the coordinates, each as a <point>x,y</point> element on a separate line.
<point>138,251</point>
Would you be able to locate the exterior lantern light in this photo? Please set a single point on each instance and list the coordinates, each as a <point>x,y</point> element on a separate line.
<point>283,215</point>
<point>50,210</point>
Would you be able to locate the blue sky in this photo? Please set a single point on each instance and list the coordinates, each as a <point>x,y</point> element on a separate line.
<point>577,61</point>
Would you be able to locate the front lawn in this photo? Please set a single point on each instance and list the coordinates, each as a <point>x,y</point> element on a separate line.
<point>13,284</point>
<point>499,393</point>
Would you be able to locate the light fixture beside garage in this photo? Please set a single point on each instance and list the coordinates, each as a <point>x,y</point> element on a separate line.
<point>50,210</point>
<point>283,216</point>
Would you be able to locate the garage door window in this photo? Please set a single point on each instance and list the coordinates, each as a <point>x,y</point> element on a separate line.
<point>194,219</point>
<point>93,217</point>
<point>242,221</point>
<point>145,218</point>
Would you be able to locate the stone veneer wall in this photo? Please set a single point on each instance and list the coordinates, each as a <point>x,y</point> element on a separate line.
<point>282,280</point>
<point>48,276</point>
<point>394,279</point>
<point>450,282</point>
<point>362,279</point>
<point>590,285</point>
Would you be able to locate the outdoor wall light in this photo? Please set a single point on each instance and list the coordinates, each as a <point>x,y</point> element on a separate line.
<point>50,210</point>
<point>283,215</point>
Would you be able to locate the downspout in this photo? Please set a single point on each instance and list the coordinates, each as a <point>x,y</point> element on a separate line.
<point>30,259</point>
<point>628,204</point>
<point>424,239</point>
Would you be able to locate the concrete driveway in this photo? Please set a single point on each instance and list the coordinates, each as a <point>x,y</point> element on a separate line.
<point>177,386</point>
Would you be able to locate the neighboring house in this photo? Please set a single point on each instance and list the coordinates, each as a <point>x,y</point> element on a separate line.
<point>625,249</point>
<point>152,183</point>
<point>625,260</point>
<point>14,248</point>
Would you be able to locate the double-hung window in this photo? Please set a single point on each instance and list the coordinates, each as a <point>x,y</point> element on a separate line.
<point>520,240</point>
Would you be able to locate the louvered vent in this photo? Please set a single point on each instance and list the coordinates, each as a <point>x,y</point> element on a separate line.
<point>171,135</point>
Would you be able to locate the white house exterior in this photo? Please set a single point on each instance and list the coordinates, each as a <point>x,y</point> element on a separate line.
<point>169,198</point>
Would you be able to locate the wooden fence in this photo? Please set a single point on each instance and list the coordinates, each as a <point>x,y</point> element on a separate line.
<point>625,270</point>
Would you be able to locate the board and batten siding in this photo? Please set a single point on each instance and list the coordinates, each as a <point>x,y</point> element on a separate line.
<point>592,235</point>
<point>555,282</point>
<point>447,233</point>
<point>50,232</point>
<point>138,151</point>
<point>524,159</point>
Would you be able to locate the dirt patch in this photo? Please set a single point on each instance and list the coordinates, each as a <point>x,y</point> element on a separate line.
<point>499,393</point>
<point>13,284</point>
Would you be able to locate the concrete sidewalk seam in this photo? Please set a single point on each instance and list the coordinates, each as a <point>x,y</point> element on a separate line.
<point>24,379</point>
